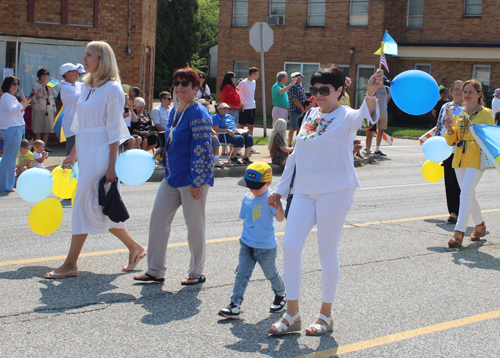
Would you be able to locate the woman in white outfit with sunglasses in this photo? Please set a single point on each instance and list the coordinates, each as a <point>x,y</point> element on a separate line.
<point>323,189</point>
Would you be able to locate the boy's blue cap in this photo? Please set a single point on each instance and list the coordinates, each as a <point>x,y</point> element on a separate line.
<point>257,175</point>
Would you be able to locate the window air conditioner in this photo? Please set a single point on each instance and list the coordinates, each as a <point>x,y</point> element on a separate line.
<point>276,20</point>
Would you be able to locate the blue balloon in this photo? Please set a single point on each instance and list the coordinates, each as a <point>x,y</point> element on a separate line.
<point>135,166</point>
<point>415,92</point>
<point>34,185</point>
<point>436,149</point>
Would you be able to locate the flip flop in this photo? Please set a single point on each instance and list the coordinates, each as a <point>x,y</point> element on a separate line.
<point>148,278</point>
<point>197,279</point>
<point>54,276</point>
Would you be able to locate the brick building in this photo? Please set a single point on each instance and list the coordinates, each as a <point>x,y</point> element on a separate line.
<point>48,33</point>
<point>457,39</point>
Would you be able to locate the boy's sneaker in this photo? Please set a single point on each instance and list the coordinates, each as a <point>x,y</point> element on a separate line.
<point>218,164</point>
<point>253,151</point>
<point>231,311</point>
<point>235,161</point>
<point>278,304</point>
<point>379,152</point>
<point>246,161</point>
<point>366,152</point>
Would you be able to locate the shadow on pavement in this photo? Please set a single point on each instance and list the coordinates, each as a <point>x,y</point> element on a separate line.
<point>165,307</point>
<point>255,339</point>
<point>470,256</point>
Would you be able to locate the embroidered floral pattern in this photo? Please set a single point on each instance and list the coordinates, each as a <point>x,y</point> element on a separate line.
<point>367,124</point>
<point>314,127</point>
<point>202,160</point>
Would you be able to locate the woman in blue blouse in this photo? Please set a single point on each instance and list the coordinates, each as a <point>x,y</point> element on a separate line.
<point>188,175</point>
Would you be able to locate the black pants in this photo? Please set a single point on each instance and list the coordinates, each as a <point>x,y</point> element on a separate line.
<point>451,186</point>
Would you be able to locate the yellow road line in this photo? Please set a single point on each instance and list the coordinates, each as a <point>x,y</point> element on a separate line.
<point>402,335</point>
<point>179,244</point>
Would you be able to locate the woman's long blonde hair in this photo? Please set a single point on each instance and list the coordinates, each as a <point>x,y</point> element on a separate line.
<point>108,68</point>
<point>278,128</point>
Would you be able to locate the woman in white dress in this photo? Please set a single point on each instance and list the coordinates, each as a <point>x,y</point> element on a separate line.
<point>99,128</point>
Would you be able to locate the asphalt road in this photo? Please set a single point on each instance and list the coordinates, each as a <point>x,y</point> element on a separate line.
<point>401,290</point>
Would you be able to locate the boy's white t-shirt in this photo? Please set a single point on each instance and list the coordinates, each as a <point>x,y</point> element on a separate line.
<point>247,93</point>
<point>36,164</point>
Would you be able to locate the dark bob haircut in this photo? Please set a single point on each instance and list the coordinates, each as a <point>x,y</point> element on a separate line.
<point>41,71</point>
<point>330,75</point>
<point>187,74</point>
<point>7,82</point>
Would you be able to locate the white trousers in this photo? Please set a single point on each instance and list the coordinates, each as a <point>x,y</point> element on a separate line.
<point>329,211</point>
<point>278,113</point>
<point>468,178</point>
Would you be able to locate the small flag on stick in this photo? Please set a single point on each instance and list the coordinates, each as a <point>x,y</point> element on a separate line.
<point>57,127</point>
<point>383,62</point>
<point>52,83</point>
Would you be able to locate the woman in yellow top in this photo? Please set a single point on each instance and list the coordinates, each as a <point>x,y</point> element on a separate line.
<point>467,159</point>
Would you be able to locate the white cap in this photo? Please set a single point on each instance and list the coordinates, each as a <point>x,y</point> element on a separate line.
<point>68,67</point>
<point>81,69</point>
<point>497,91</point>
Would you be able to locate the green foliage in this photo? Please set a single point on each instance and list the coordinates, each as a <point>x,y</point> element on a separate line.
<point>209,19</point>
<point>177,39</point>
<point>411,133</point>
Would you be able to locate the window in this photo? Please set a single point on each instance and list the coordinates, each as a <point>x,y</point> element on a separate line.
<point>345,69</point>
<point>473,8</point>
<point>316,13</point>
<point>240,13</point>
<point>241,69</point>
<point>358,13</point>
<point>363,75</point>
<point>481,73</point>
<point>277,8</point>
<point>426,67</point>
<point>307,70</point>
<point>415,13</point>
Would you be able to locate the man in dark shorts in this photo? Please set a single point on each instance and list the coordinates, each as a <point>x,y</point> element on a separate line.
<point>247,94</point>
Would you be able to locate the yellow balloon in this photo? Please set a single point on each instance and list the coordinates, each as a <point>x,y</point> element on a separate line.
<point>64,182</point>
<point>73,196</point>
<point>46,216</point>
<point>432,171</point>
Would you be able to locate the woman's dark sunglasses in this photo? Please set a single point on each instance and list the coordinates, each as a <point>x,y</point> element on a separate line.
<point>323,90</point>
<point>15,83</point>
<point>46,74</point>
<point>201,76</point>
<point>176,83</point>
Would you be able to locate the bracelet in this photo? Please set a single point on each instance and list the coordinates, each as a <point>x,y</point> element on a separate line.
<point>370,97</point>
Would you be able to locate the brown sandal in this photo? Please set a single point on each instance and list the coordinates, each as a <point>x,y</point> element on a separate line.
<point>456,239</point>
<point>478,234</point>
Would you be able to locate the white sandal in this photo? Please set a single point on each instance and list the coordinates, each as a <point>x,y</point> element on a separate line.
<point>282,328</point>
<point>321,328</point>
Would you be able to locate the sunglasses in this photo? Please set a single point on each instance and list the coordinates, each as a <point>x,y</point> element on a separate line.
<point>201,76</point>
<point>46,74</point>
<point>15,84</point>
<point>176,83</point>
<point>169,98</point>
<point>323,90</point>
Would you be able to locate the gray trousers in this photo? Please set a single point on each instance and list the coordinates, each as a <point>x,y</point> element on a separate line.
<point>168,200</point>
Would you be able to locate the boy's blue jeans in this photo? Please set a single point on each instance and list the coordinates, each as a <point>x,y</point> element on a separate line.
<point>267,261</point>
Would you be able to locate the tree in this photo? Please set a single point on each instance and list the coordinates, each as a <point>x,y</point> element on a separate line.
<point>177,39</point>
<point>209,33</point>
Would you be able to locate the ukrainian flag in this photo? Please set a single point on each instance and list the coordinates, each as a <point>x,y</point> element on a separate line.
<point>57,127</point>
<point>52,83</point>
<point>388,45</point>
<point>488,138</point>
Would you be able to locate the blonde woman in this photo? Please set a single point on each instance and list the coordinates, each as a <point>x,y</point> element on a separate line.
<point>277,146</point>
<point>467,159</point>
<point>99,129</point>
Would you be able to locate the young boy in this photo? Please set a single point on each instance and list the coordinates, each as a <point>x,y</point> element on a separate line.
<point>258,242</point>
<point>24,158</point>
<point>40,155</point>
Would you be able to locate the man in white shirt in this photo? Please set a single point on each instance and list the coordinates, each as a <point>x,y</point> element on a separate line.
<point>495,105</point>
<point>70,94</point>
<point>247,94</point>
<point>160,114</point>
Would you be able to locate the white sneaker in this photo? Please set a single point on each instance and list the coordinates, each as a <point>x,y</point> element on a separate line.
<point>253,151</point>
<point>218,164</point>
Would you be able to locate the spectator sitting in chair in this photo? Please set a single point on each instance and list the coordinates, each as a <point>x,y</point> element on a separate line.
<point>144,127</point>
<point>129,116</point>
<point>224,123</point>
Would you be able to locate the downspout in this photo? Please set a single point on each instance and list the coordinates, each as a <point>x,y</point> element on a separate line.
<point>17,55</point>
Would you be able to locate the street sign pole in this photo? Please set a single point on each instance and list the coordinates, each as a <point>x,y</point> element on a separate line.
<point>261,38</point>
<point>264,120</point>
